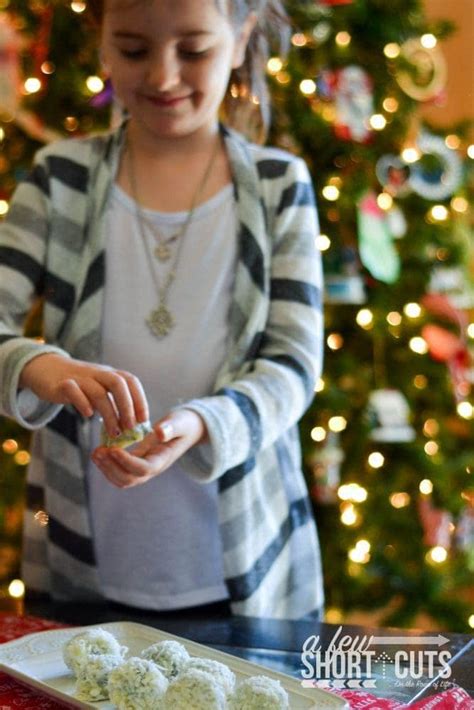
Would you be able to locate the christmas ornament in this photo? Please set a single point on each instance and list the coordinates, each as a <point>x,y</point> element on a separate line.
<point>453,282</point>
<point>325,464</point>
<point>376,248</point>
<point>388,415</point>
<point>426,76</point>
<point>436,523</point>
<point>436,184</point>
<point>393,174</point>
<point>343,282</point>
<point>354,103</point>
<point>396,222</point>
<point>9,67</point>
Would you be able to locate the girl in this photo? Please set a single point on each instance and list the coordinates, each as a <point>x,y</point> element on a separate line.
<point>180,282</point>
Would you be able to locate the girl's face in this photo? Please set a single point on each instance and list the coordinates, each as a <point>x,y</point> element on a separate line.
<point>170,62</point>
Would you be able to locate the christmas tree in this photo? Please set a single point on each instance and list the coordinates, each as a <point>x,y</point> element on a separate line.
<point>388,442</point>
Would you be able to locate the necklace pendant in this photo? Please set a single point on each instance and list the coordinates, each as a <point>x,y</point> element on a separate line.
<point>162,252</point>
<point>160,321</point>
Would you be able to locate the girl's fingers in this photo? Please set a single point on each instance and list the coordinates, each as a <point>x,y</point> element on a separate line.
<point>137,393</point>
<point>102,404</point>
<point>118,388</point>
<point>72,394</point>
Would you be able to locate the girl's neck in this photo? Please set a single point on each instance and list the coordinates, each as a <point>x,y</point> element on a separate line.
<point>150,148</point>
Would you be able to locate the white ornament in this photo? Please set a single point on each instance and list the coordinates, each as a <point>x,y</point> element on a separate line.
<point>446,184</point>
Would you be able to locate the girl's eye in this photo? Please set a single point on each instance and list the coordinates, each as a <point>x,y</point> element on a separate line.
<point>194,53</point>
<point>133,53</point>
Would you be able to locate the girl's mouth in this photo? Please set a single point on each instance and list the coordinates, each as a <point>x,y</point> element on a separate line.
<point>166,102</point>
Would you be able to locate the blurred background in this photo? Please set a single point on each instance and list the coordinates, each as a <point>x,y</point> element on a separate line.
<point>378,99</point>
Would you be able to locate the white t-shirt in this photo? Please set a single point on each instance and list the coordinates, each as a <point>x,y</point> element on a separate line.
<point>158,545</point>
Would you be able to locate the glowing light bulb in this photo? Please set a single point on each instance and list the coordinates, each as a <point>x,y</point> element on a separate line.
<point>365,318</point>
<point>323,242</point>
<point>400,500</point>
<point>349,515</point>
<point>376,459</point>
<point>10,446</point>
<point>32,85</point>
<point>470,151</point>
<point>337,423</point>
<point>391,50</point>
<point>357,555</point>
<point>439,213</point>
<point>412,310</point>
<point>390,104</point>
<point>77,6</point>
<point>320,385</point>
<point>307,87</point>
<point>335,341</point>
<point>22,458</point>
<point>318,433</point>
<point>426,486</point>
<point>470,621</point>
<point>94,84</point>
<point>437,554</point>
<point>384,201</point>
<point>378,121</point>
<point>459,204</point>
<point>452,141</point>
<point>343,39</point>
<point>363,545</point>
<point>431,428</point>
<point>16,588</point>
<point>428,41</point>
<point>331,193</point>
<point>274,65</point>
<point>420,382</point>
<point>299,39</point>
<point>418,345</point>
<point>411,155</point>
<point>394,318</point>
<point>470,330</point>
<point>465,410</point>
<point>431,448</point>
<point>3,207</point>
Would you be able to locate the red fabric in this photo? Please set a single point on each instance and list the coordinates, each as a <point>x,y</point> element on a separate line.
<point>14,696</point>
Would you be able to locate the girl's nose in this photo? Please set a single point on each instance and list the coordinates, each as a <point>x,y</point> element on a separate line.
<point>164,71</point>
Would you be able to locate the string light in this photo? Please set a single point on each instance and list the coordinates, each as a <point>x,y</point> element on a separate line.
<point>431,428</point>
<point>32,85</point>
<point>437,554</point>
<point>470,621</point>
<point>320,385</point>
<point>2,134</point>
<point>394,318</point>
<point>331,193</point>
<point>470,330</point>
<point>71,123</point>
<point>376,459</point>
<point>452,141</point>
<point>352,492</point>
<point>418,345</point>
<point>274,65</point>
<point>442,254</point>
<point>390,104</point>
<point>361,552</point>
<point>349,514</point>
<point>431,448</point>
<point>470,151</point>
<point>283,77</point>
<point>465,410</point>
<point>439,213</point>
<point>16,589</point>
<point>428,41</point>
<point>378,121</point>
<point>322,242</point>
<point>391,50</point>
<point>299,39</point>
<point>318,433</point>
<point>412,310</point>
<point>334,616</point>
<point>365,318</point>
<point>426,486</point>
<point>94,84</point>
<point>10,446</point>
<point>22,458</point>
<point>459,204</point>
<point>3,207</point>
<point>400,500</point>
<point>384,201</point>
<point>411,155</point>
<point>77,6</point>
<point>308,87</point>
<point>335,341</point>
<point>420,382</point>
<point>343,39</point>
<point>48,68</point>
<point>337,423</point>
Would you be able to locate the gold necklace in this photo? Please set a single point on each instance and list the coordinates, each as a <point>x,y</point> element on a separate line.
<point>161,321</point>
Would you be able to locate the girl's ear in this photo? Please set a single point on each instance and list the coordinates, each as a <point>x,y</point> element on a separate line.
<point>242,40</point>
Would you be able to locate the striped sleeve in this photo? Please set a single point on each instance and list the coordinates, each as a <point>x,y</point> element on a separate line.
<point>251,412</point>
<point>23,238</point>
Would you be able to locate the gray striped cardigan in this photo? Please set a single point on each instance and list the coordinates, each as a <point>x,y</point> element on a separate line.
<point>52,244</point>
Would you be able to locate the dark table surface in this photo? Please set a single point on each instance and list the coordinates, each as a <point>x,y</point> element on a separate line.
<point>404,675</point>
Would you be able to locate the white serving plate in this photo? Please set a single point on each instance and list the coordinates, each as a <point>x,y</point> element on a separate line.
<point>37,661</point>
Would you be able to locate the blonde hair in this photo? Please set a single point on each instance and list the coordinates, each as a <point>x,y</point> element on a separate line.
<point>246,105</point>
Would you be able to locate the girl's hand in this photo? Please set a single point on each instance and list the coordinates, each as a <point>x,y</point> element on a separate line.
<point>116,395</point>
<point>172,436</point>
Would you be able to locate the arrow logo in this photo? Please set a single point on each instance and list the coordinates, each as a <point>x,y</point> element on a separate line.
<point>438,640</point>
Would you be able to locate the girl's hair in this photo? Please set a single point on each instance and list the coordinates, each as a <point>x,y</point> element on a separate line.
<point>246,105</point>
